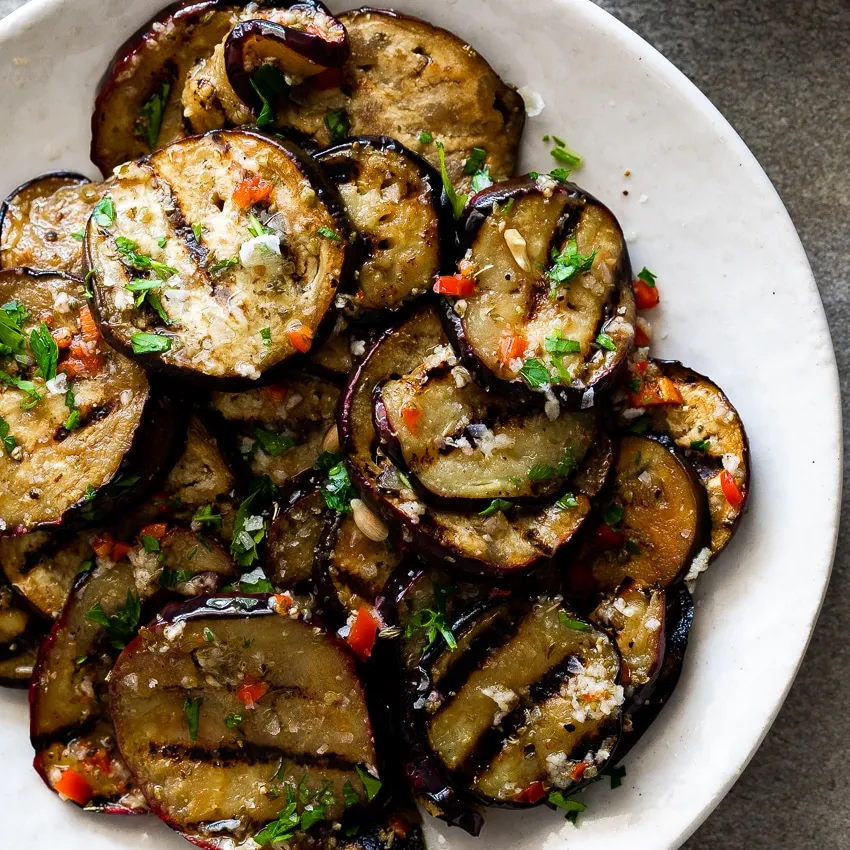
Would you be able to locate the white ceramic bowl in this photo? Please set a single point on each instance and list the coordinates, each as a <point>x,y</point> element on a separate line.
<point>738,303</point>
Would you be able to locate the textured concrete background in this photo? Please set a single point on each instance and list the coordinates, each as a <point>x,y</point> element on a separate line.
<point>780,72</point>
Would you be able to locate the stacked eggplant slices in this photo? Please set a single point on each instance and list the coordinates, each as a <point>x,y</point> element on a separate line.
<point>337,475</point>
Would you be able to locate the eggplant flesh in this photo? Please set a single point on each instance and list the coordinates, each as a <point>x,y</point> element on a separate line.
<point>394,200</point>
<point>709,430</point>
<point>280,429</point>
<point>21,634</point>
<point>462,442</point>
<point>39,220</point>
<point>54,474</point>
<point>406,77</point>
<point>497,544</point>
<point>279,708</point>
<point>553,308</point>
<point>530,695</point>
<point>657,519</point>
<point>70,721</point>
<point>223,325</point>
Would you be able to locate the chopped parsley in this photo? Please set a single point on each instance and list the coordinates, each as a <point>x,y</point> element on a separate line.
<point>146,343</point>
<point>506,208</point>
<point>9,442</point>
<point>270,85</point>
<point>169,578</point>
<point>495,506</point>
<point>120,626</point>
<point>141,262</point>
<point>209,636</point>
<point>161,241</point>
<point>272,443</point>
<point>458,202</point>
<point>425,138</point>
<point>12,338</point>
<point>371,783</point>
<point>150,544</point>
<point>45,351</point>
<point>338,491</point>
<point>327,461</point>
<point>349,796</point>
<point>192,710</point>
<point>605,341</point>
<point>316,805</point>
<point>576,625</point>
<point>640,425</point>
<point>255,226</point>
<point>206,515</point>
<point>647,277</point>
<point>329,234</point>
<point>146,293</point>
<point>556,344</point>
<point>560,175</point>
<point>79,236</point>
<point>266,334</point>
<point>198,232</point>
<point>287,822</point>
<point>104,212</point>
<point>338,125</point>
<point>434,620</point>
<point>541,472</point>
<point>613,515</point>
<point>475,161</point>
<point>567,264</point>
<point>222,265</point>
<point>481,180</point>
<point>249,527</point>
<point>616,775</point>
<point>234,720</point>
<point>535,373</point>
<point>33,396</point>
<point>568,500</point>
<point>699,445</point>
<point>560,153</point>
<point>572,807</point>
<point>87,281</point>
<point>150,121</point>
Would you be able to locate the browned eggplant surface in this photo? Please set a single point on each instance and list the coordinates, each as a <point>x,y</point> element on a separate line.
<point>42,222</point>
<point>222,256</point>
<point>224,700</point>
<point>21,633</point>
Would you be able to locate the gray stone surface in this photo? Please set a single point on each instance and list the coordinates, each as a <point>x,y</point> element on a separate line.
<point>780,71</point>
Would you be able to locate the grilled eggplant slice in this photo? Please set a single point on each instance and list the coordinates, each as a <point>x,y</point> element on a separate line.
<point>406,78</point>
<point>704,424</point>
<point>42,221</point>
<point>656,521</point>
<point>227,297</point>
<point>223,700</point>
<point>552,309</point>
<point>280,429</point>
<point>71,725</point>
<point>464,444</point>
<point>125,435</point>
<point>21,633</point>
<point>529,699</point>
<point>496,543</point>
<point>394,199</point>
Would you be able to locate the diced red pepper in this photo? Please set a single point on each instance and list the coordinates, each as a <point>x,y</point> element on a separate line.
<point>330,78</point>
<point>625,674</point>
<point>363,634</point>
<point>454,285</point>
<point>608,538</point>
<point>103,545</point>
<point>88,326</point>
<point>120,550</point>
<point>301,337</point>
<point>156,530</point>
<point>646,296</point>
<point>511,347</point>
<point>100,761</point>
<point>578,771</point>
<point>283,601</point>
<point>250,693</point>
<point>642,366</point>
<point>655,393</point>
<point>72,786</point>
<point>730,489</point>
<point>410,415</point>
<point>62,338</point>
<point>275,392</point>
<point>533,794</point>
<point>252,191</point>
<point>641,338</point>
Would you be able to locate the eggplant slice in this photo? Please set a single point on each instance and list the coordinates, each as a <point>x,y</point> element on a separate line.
<point>530,695</point>
<point>41,222</point>
<point>656,521</point>
<point>495,543</point>
<point>224,710</point>
<point>280,429</point>
<point>67,461</point>
<point>463,444</point>
<point>708,429</point>
<point>417,83</point>
<point>228,296</point>
<point>552,310</point>
<point>71,727</point>
<point>394,199</point>
<point>21,634</point>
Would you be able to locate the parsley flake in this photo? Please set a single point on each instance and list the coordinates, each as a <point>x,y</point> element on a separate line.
<point>495,506</point>
<point>192,710</point>
<point>535,373</point>
<point>104,212</point>
<point>147,343</point>
<point>120,626</point>
<point>576,625</point>
<point>329,234</point>
<point>647,277</point>
<point>338,125</point>
<point>149,123</point>
<point>457,202</point>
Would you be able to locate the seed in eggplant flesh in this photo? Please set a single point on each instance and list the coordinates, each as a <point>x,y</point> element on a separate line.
<point>560,318</point>
<point>42,222</point>
<point>394,200</point>
<point>498,710</point>
<point>119,421</point>
<point>175,307</point>
<point>656,522</point>
<point>382,88</point>
<point>708,429</point>
<point>71,725</point>
<point>305,725</point>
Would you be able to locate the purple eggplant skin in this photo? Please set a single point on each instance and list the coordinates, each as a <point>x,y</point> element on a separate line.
<point>640,715</point>
<point>312,52</point>
<point>480,207</point>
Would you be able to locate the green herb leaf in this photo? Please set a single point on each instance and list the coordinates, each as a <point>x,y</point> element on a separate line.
<point>162,241</point>
<point>568,264</point>
<point>370,783</point>
<point>338,125</point>
<point>198,232</point>
<point>561,153</point>
<point>556,344</point>
<point>270,85</point>
<point>647,277</point>
<point>475,161</point>
<point>171,578</point>
<point>458,202</point>
<point>146,343</point>
<point>222,265</point>
<point>45,351</point>
<point>272,443</point>
<point>234,720</point>
<point>576,625</point>
<point>120,626</point>
<point>613,515</point>
<point>33,396</point>
<point>560,175</point>
<point>287,821</point>
<point>266,334</point>
<point>568,500</point>
<point>640,425</point>
<point>255,226</point>
<point>425,138</point>
<point>507,207</point>
<point>534,373</point>
<point>150,544</point>
<point>154,301</point>
<point>481,180</point>
<point>572,807</point>
<point>141,262</point>
<point>329,234</point>
<point>605,341</point>
<point>434,620</point>
<point>192,710</point>
<point>209,636</point>
<point>700,445</point>
<point>495,506</point>
<point>87,281</point>
<point>12,317</point>
<point>541,472</point>
<point>249,527</point>
<point>616,774</point>
<point>311,816</point>
<point>104,212</point>
<point>79,236</point>
<point>339,491</point>
<point>9,442</point>
<point>261,585</point>
<point>150,121</point>
<point>327,461</point>
<point>206,515</point>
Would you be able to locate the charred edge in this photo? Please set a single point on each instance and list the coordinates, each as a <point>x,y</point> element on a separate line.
<point>96,414</point>
<point>248,754</point>
<point>65,734</point>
